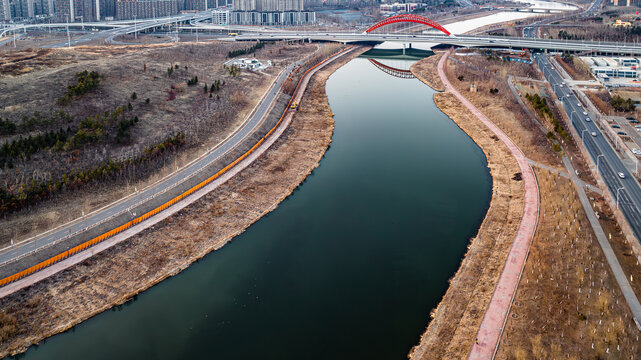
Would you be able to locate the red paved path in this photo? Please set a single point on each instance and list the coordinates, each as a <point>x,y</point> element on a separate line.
<point>494,319</point>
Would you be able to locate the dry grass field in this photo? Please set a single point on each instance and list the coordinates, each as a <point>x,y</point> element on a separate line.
<point>36,80</point>
<point>114,276</point>
<point>568,305</point>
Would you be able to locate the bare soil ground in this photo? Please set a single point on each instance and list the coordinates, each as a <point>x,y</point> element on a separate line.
<point>127,69</point>
<point>113,277</point>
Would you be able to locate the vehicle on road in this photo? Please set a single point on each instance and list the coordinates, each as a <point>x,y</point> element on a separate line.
<point>621,175</point>
<point>630,118</point>
<point>578,104</point>
<point>594,134</point>
<point>585,113</point>
<point>622,133</point>
<point>634,121</point>
<point>636,151</point>
<point>294,105</point>
<point>587,119</point>
<point>616,126</point>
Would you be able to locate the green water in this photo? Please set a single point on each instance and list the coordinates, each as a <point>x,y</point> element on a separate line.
<point>348,267</point>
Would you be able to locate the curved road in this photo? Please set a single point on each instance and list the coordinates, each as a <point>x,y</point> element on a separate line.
<point>22,249</point>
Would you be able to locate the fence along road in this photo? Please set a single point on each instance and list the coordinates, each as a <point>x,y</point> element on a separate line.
<point>63,255</point>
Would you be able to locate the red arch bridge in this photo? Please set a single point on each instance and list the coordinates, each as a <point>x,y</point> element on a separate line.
<point>399,73</point>
<point>408,18</point>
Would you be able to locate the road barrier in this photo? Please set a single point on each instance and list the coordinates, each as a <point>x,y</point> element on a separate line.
<point>143,217</point>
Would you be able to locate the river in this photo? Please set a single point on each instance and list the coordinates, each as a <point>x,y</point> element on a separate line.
<point>348,267</point>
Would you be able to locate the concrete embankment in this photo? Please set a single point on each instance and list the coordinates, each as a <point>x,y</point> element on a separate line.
<point>454,322</point>
<point>124,270</point>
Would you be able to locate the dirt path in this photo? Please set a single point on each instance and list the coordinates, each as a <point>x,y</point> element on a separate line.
<point>495,316</point>
<point>170,246</point>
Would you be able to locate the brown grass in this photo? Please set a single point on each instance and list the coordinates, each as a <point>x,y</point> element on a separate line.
<point>112,277</point>
<point>423,70</point>
<point>142,69</point>
<point>455,320</point>
<point>565,278</point>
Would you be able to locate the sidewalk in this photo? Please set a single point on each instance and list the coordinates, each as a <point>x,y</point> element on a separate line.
<point>491,328</point>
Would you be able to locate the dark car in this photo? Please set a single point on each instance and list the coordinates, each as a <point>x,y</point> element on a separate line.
<point>630,118</point>
<point>616,126</point>
<point>622,133</point>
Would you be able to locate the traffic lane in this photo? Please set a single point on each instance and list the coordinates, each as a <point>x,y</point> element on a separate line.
<point>613,181</point>
<point>148,193</point>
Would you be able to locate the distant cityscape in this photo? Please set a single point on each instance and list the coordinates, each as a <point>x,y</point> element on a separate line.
<point>244,12</point>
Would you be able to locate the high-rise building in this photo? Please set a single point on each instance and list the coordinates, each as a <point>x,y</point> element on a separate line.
<point>271,12</point>
<point>5,10</point>
<point>127,10</point>
<point>268,5</point>
<point>77,10</point>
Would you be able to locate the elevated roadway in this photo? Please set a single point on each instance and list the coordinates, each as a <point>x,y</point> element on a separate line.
<point>457,40</point>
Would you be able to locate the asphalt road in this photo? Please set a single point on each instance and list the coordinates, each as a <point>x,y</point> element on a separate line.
<point>625,189</point>
<point>20,250</point>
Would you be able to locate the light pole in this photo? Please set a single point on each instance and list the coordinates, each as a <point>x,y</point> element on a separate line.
<point>68,36</point>
<point>135,28</point>
<point>597,162</point>
<point>619,189</point>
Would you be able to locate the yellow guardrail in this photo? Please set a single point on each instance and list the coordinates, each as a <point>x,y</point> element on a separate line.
<point>162,207</point>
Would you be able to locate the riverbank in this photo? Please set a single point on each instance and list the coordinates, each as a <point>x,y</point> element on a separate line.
<point>455,320</point>
<point>116,275</point>
<point>556,312</point>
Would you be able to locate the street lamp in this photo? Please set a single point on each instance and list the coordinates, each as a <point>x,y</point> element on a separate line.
<point>597,162</point>
<point>68,36</point>
<point>619,189</point>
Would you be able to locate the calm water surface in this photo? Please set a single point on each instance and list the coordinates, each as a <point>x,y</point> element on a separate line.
<point>348,267</point>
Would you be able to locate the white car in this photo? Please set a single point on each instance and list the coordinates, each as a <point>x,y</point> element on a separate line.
<point>578,104</point>
<point>621,175</point>
<point>587,119</point>
<point>594,134</point>
<point>585,113</point>
<point>636,151</point>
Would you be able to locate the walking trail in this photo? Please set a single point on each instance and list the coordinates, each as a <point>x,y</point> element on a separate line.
<point>491,328</point>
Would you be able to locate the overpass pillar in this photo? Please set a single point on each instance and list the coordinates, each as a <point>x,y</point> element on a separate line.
<point>404,48</point>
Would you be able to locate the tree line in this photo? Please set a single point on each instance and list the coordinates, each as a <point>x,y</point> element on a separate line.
<point>621,104</point>
<point>541,107</point>
<point>34,191</point>
<point>30,123</point>
<point>249,50</point>
<point>90,130</point>
<point>85,82</point>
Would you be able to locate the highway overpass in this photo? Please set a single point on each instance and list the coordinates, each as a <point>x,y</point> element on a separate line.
<point>617,48</point>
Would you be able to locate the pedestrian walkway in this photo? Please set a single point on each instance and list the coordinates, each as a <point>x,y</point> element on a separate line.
<point>491,328</point>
